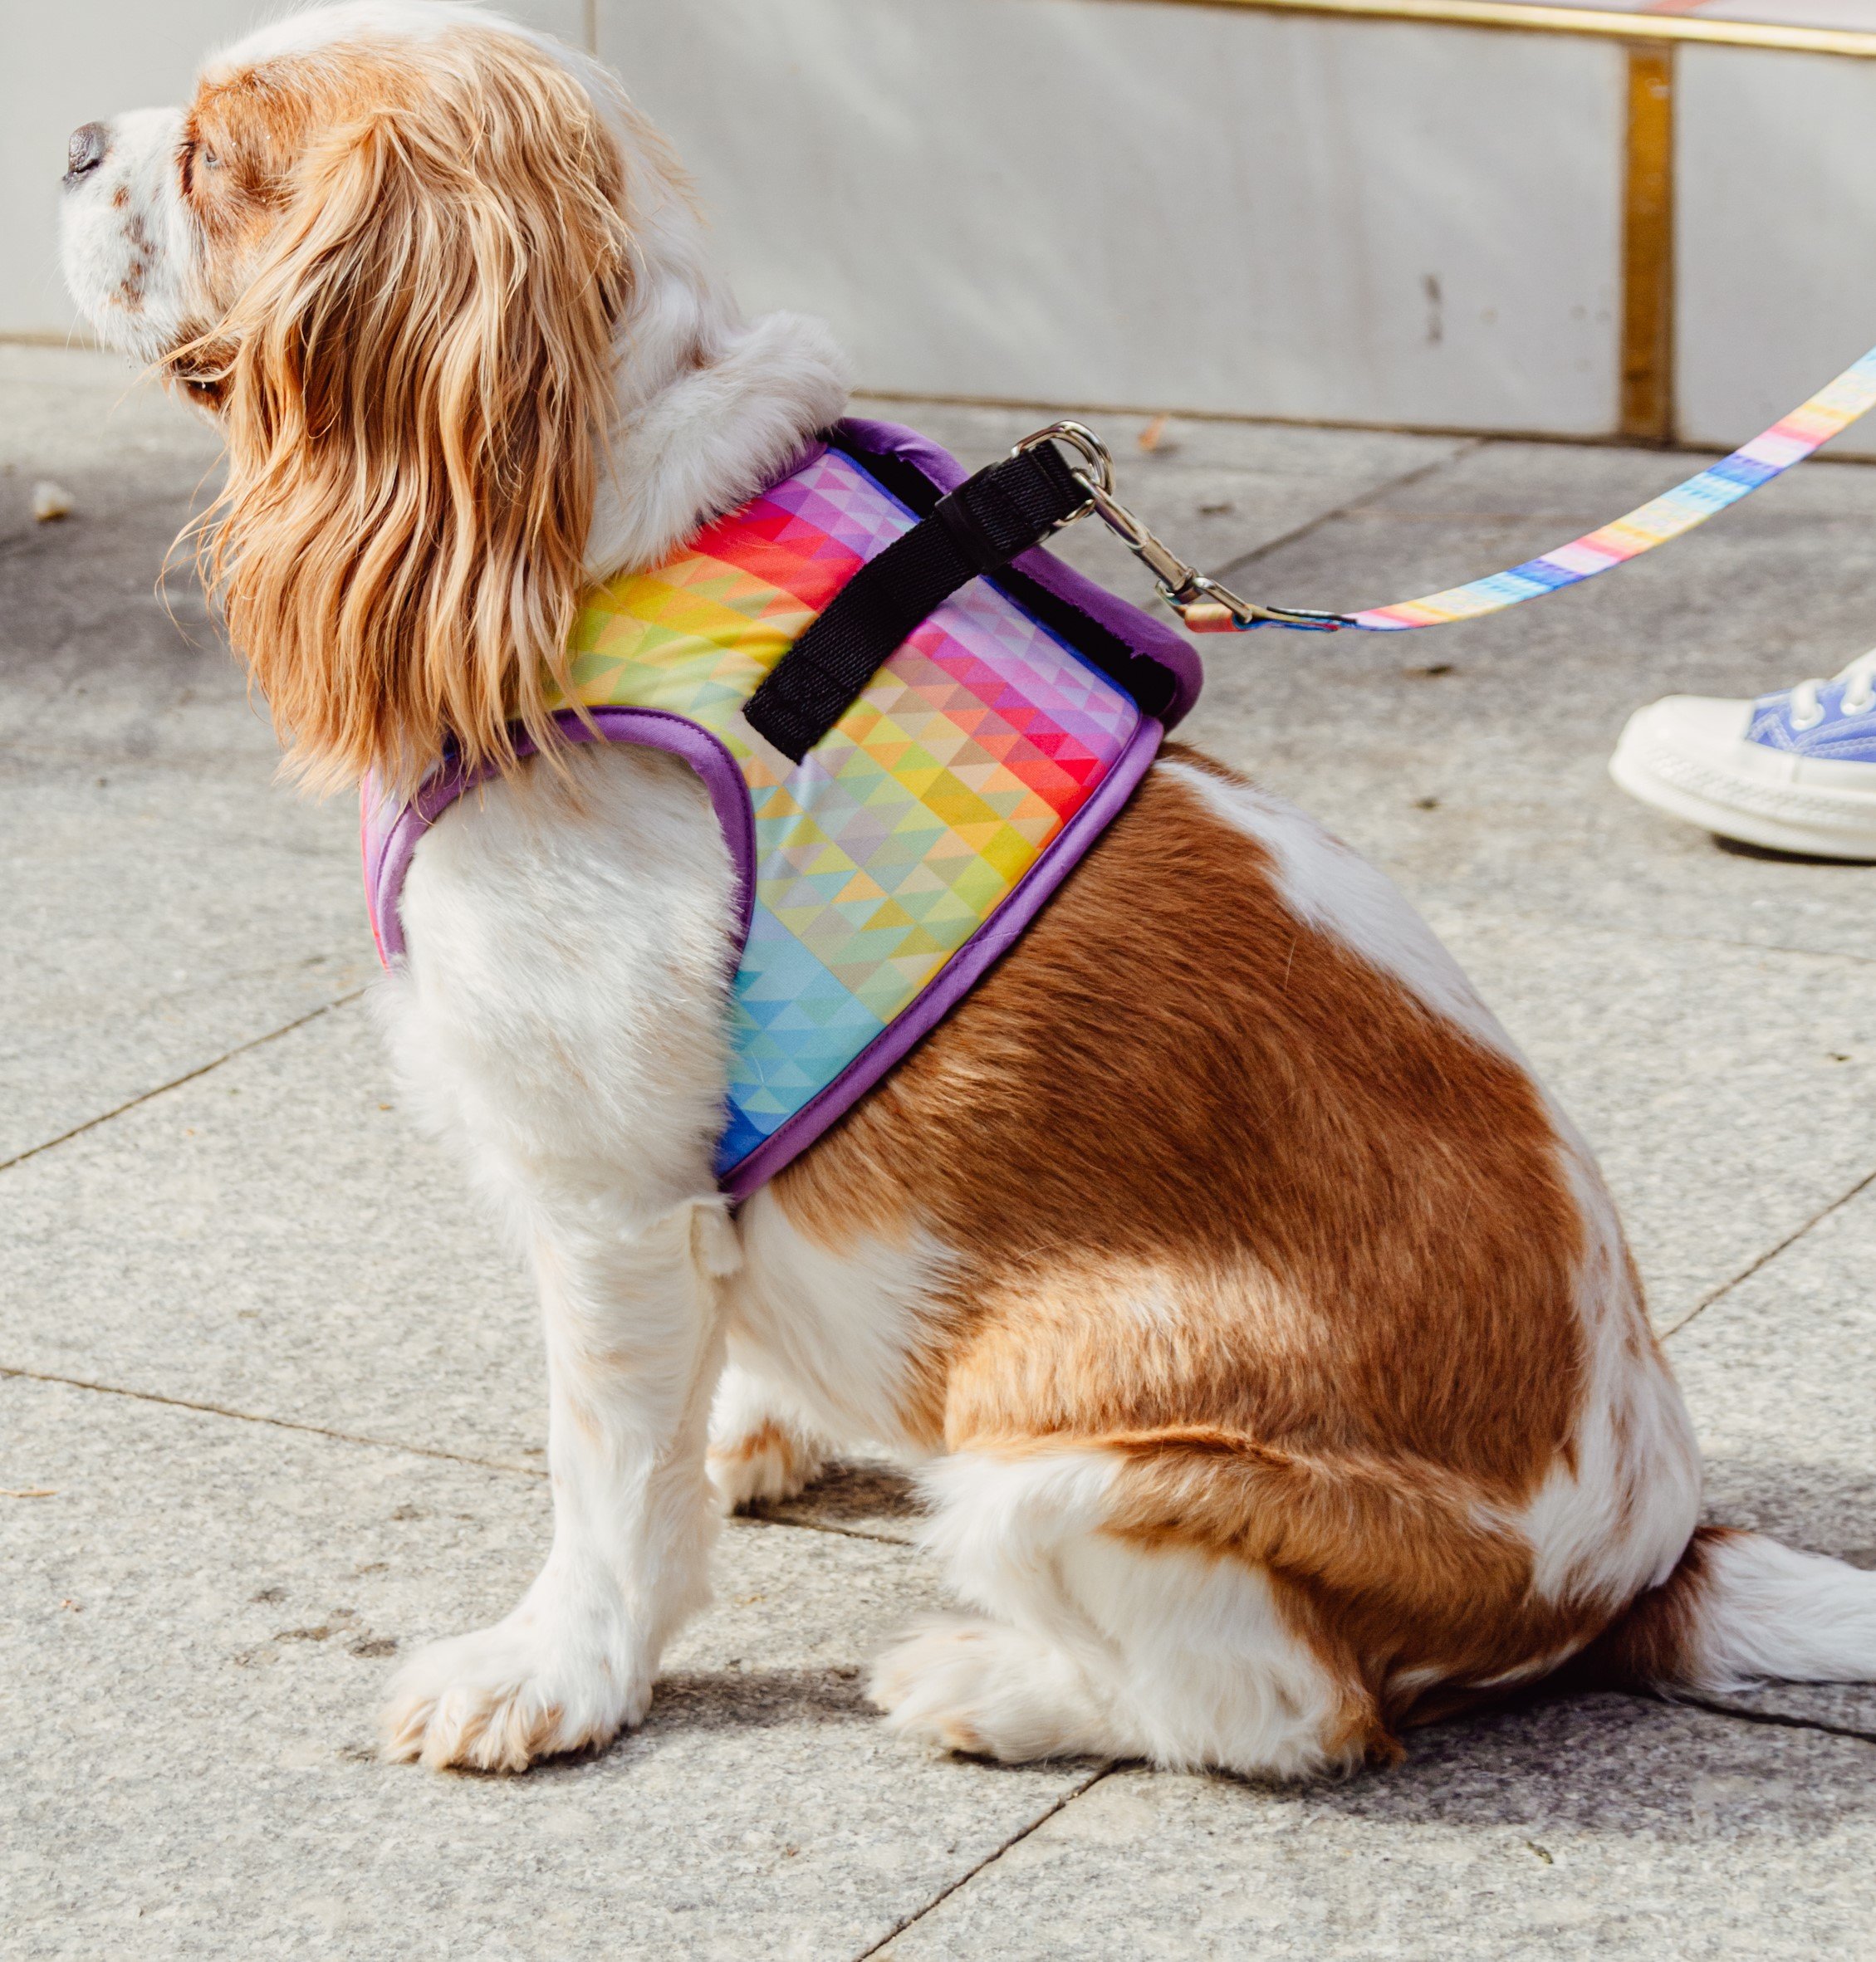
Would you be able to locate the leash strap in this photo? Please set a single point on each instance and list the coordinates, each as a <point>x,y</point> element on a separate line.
<point>1207,608</point>
<point>989,520</point>
<point>1672,515</point>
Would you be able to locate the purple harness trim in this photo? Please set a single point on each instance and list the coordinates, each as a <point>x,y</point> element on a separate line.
<point>653,728</point>
<point>390,842</point>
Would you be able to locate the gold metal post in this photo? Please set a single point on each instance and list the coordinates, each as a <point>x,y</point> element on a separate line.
<point>1647,248</point>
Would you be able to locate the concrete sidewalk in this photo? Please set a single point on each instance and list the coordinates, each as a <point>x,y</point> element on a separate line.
<point>282,1393</point>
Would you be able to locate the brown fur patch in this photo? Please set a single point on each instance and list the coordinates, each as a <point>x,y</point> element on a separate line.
<point>1232,1202</point>
<point>754,1444</point>
<point>246,137</point>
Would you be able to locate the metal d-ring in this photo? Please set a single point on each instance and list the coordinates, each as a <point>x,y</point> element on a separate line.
<point>1081,439</point>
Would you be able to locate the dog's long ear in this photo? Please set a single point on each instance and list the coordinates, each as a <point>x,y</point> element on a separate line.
<point>416,387</point>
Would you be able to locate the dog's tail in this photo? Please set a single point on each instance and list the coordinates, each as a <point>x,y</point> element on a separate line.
<point>1739,1609</point>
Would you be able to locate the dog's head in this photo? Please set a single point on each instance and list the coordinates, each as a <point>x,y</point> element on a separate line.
<point>394,246</point>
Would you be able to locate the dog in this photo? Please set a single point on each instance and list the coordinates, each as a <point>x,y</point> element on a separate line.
<point>1278,1374</point>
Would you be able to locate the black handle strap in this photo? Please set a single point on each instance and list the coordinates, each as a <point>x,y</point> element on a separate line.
<point>989,520</point>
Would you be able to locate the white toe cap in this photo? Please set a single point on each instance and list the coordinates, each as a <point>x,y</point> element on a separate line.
<point>1704,727</point>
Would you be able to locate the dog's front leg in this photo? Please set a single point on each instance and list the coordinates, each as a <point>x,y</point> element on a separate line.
<point>635,1347</point>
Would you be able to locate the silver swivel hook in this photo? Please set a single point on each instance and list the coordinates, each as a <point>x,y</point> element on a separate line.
<point>1205,606</point>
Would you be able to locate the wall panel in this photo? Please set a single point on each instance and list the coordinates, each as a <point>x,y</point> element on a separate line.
<point>1186,206</point>
<point>1777,236</point>
<point>1177,206</point>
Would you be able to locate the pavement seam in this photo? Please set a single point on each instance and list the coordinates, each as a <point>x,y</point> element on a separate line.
<point>1771,1253</point>
<point>1769,1719</point>
<point>1417,474</point>
<point>176,1083</point>
<point>772,1519</point>
<point>385,1444</point>
<point>248,1417</point>
<point>989,1859</point>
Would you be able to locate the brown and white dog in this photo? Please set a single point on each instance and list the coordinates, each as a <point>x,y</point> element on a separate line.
<point>1268,1341</point>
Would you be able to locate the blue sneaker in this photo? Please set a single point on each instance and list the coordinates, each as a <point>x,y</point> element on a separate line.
<point>1795,772</point>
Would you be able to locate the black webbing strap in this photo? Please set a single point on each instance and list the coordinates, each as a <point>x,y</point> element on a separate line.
<point>989,520</point>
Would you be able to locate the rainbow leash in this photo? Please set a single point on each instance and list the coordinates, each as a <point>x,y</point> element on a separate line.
<point>1672,515</point>
<point>1208,608</point>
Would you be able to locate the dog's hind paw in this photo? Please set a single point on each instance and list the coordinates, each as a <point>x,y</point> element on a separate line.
<point>772,1461</point>
<point>504,1697</point>
<point>990,1691</point>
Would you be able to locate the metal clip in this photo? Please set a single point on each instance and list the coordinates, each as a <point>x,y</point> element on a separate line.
<point>1205,606</point>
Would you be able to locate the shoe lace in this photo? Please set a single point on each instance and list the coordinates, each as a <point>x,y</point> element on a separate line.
<point>1858,697</point>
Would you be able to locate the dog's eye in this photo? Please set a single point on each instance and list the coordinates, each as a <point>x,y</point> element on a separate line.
<point>209,160</point>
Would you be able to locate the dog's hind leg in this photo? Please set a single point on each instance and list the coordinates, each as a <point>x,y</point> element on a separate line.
<point>763,1445</point>
<point>826,1344</point>
<point>1096,1646</point>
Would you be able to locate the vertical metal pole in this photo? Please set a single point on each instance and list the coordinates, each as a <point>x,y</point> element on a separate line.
<point>592,26</point>
<point>1648,247</point>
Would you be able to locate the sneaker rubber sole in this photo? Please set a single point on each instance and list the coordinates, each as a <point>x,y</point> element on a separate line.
<point>1724,797</point>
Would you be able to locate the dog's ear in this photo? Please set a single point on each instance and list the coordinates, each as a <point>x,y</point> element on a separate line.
<point>416,386</point>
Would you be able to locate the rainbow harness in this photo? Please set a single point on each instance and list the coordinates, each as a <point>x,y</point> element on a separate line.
<point>882,872</point>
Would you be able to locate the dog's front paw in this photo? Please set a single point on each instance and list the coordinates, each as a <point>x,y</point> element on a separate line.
<point>500,1699</point>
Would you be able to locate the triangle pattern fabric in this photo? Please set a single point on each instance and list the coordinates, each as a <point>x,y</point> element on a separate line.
<point>888,849</point>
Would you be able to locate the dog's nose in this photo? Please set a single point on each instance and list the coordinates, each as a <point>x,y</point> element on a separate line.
<point>86,151</point>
